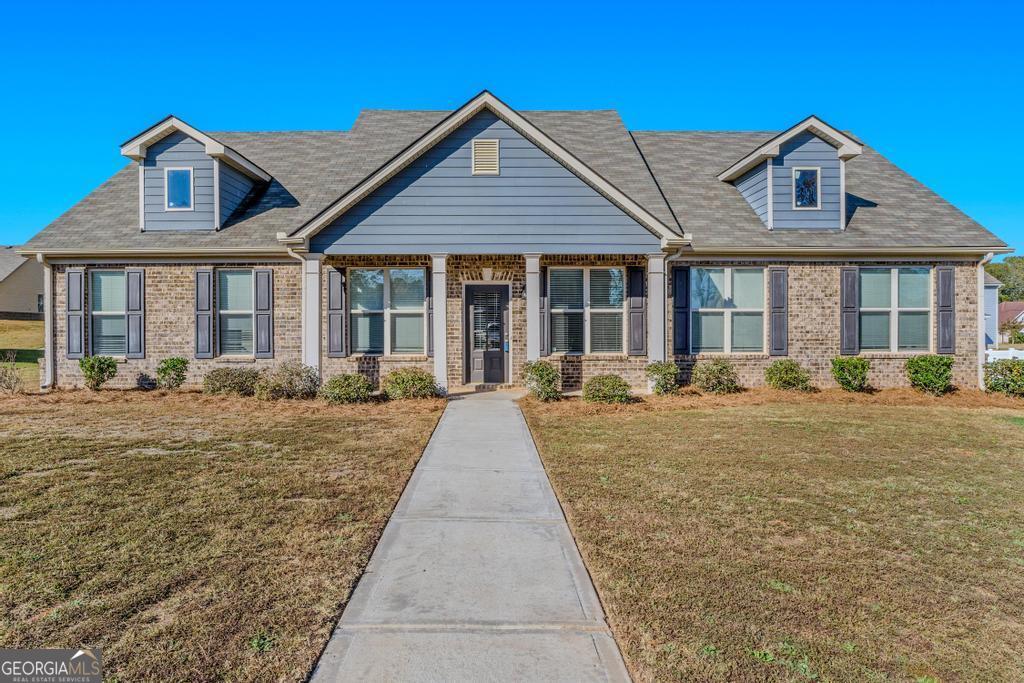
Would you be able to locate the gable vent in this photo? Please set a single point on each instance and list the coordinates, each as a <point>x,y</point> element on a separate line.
<point>485,157</point>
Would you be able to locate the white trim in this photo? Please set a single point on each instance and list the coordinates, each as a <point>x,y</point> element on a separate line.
<point>439,302</point>
<point>728,311</point>
<point>136,147</point>
<point>846,147</point>
<point>216,194</point>
<point>981,322</point>
<point>771,194</point>
<point>48,345</point>
<point>817,187</point>
<point>842,194</point>
<point>191,189</point>
<point>484,100</point>
<point>311,319</point>
<point>231,311</point>
<point>533,321</point>
<point>657,341</point>
<point>142,197</point>
<point>894,309</point>
<point>497,156</point>
<point>587,310</point>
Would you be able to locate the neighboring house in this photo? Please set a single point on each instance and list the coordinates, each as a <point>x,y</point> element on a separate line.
<point>992,287</point>
<point>469,242</point>
<point>1010,312</point>
<point>21,285</point>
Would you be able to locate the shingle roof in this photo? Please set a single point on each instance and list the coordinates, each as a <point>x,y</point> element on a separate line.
<point>311,169</point>
<point>9,261</point>
<point>991,279</point>
<point>1010,310</point>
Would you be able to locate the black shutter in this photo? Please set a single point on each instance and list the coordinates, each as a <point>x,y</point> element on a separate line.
<point>946,309</point>
<point>335,313</point>
<point>204,313</point>
<point>545,319</point>
<point>263,314</point>
<point>680,310</point>
<point>778,290</point>
<point>76,313</point>
<point>637,311</point>
<point>849,311</point>
<point>429,301</point>
<point>135,312</point>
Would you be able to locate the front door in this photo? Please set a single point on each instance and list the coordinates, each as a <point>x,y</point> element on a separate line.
<point>486,325</point>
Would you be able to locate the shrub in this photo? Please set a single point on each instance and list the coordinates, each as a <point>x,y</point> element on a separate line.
<point>290,379</point>
<point>543,380</point>
<point>170,372</point>
<point>409,383</point>
<point>606,389</point>
<point>1005,376</point>
<point>352,388</point>
<point>665,376</point>
<point>97,370</point>
<point>10,378</point>
<point>851,373</point>
<point>715,377</point>
<point>234,381</point>
<point>788,375</point>
<point>930,373</point>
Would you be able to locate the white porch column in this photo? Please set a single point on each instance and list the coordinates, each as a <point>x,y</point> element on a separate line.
<point>311,309</point>
<point>656,342</point>
<point>48,346</point>
<point>532,307</point>
<point>439,301</point>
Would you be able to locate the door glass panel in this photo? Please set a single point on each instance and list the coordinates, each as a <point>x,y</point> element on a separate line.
<point>487,333</point>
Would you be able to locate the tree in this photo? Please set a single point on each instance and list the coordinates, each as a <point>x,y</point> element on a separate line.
<point>1010,271</point>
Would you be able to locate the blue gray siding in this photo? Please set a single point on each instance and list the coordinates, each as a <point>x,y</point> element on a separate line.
<point>753,185</point>
<point>991,315</point>
<point>806,150</point>
<point>177,149</point>
<point>234,187</point>
<point>436,204</point>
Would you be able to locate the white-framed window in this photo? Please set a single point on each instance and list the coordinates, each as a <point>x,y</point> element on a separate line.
<point>108,328</point>
<point>486,155</point>
<point>387,310</point>
<point>235,304</point>
<point>727,310</point>
<point>895,309</point>
<point>39,303</point>
<point>806,188</point>
<point>179,189</point>
<point>587,307</point>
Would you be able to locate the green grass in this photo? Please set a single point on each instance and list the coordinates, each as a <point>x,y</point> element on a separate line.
<point>193,538</point>
<point>25,339</point>
<point>823,537</point>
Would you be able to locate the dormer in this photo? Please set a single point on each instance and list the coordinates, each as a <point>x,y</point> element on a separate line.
<point>187,179</point>
<point>798,178</point>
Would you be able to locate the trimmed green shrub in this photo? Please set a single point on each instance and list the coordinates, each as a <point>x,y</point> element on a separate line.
<point>664,375</point>
<point>234,381</point>
<point>715,377</point>
<point>851,372</point>
<point>97,370</point>
<point>606,389</point>
<point>788,375</point>
<point>543,380</point>
<point>1005,376</point>
<point>409,383</point>
<point>170,372</point>
<point>348,388</point>
<point>931,373</point>
<point>290,379</point>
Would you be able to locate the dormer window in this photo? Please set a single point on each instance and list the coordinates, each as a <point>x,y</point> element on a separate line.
<point>179,190</point>
<point>805,188</point>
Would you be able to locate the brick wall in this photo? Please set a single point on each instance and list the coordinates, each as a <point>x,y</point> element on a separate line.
<point>170,322</point>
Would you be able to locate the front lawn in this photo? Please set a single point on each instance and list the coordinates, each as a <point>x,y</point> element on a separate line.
<point>193,538</point>
<point>772,537</point>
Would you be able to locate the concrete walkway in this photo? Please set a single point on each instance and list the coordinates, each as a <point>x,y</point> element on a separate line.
<point>476,577</point>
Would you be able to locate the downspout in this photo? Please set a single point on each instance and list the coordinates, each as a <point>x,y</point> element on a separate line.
<point>47,381</point>
<point>981,318</point>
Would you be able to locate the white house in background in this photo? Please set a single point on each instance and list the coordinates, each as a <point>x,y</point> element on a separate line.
<point>21,286</point>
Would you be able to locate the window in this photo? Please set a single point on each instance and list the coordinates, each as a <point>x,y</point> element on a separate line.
<point>178,189</point>
<point>727,309</point>
<point>39,303</point>
<point>235,312</point>
<point>108,326</point>
<point>587,309</point>
<point>485,157</point>
<point>805,188</point>
<point>386,310</point>
<point>895,309</point>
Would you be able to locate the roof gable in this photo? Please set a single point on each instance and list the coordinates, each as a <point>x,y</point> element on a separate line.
<point>10,261</point>
<point>452,122</point>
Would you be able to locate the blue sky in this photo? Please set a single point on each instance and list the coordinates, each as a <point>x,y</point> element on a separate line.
<point>937,87</point>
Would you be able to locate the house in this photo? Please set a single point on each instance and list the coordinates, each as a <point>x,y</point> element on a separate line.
<point>21,286</point>
<point>1010,312</point>
<point>992,287</point>
<point>469,242</point>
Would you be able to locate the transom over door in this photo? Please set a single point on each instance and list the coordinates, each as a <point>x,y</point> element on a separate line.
<point>486,331</point>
